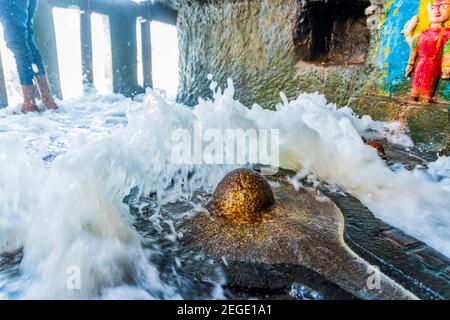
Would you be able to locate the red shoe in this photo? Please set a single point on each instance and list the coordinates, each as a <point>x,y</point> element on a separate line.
<point>49,103</point>
<point>29,107</point>
<point>29,104</point>
<point>46,94</point>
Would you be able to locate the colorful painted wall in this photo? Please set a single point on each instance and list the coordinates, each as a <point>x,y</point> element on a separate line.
<point>393,52</point>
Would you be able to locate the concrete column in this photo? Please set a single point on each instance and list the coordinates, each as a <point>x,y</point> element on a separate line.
<point>124,53</point>
<point>44,28</point>
<point>3,93</point>
<point>147,54</point>
<point>162,13</point>
<point>86,49</point>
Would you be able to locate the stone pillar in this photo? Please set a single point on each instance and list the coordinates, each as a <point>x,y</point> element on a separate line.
<point>86,49</point>
<point>44,28</point>
<point>147,54</point>
<point>163,12</point>
<point>3,93</point>
<point>124,53</point>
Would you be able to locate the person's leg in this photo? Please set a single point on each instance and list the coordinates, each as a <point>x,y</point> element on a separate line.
<point>14,20</point>
<point>41,77</point>
<point>36,53</point>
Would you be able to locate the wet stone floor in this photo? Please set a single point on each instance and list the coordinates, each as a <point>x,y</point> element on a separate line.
<point>412,264</point>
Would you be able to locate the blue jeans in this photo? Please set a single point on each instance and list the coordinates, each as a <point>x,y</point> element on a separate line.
<point>17,20</point>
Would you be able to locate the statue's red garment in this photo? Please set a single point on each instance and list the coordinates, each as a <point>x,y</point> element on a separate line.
<point>428,67</point>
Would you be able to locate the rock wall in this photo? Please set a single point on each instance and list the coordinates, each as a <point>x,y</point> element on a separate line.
<point>353,51</point>
<point>252,42</point>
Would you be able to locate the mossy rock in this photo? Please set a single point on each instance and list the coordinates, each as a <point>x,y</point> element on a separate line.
<point>427,124</point>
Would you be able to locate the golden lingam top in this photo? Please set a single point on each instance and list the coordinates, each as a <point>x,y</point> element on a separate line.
<point>243,196</point>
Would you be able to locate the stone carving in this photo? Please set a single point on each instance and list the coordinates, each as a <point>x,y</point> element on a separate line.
<point>429,60</point>
<point>299,231</point>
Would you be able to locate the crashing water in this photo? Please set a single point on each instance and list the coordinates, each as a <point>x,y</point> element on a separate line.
<point>65,174</point>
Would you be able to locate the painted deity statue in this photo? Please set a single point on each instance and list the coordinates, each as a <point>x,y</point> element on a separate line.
<point>429,60</point>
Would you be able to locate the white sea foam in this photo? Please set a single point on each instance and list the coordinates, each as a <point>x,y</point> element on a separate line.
<point>330,148</point>
<point>68,211</point>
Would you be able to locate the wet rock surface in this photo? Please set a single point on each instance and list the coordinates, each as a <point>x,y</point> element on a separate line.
<point>408,261</point>
<point>252,42</point>
<point>397,155</point>
<point>427,124</point>
<point>333,47</point>
<point>332,32</point>
<point>268,261</point>
<point>304,252</point>
<point>279,281</point>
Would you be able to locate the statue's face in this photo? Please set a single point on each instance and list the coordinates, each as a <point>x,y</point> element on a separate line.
<point>439,11</point>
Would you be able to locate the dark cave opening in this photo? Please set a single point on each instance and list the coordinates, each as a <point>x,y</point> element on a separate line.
<point>332,31</point>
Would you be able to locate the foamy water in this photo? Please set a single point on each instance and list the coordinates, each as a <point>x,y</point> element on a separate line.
<point>64,175</point>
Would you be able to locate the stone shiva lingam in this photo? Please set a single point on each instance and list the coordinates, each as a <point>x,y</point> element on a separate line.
<point>243,196</point>
<point>250,223</point>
